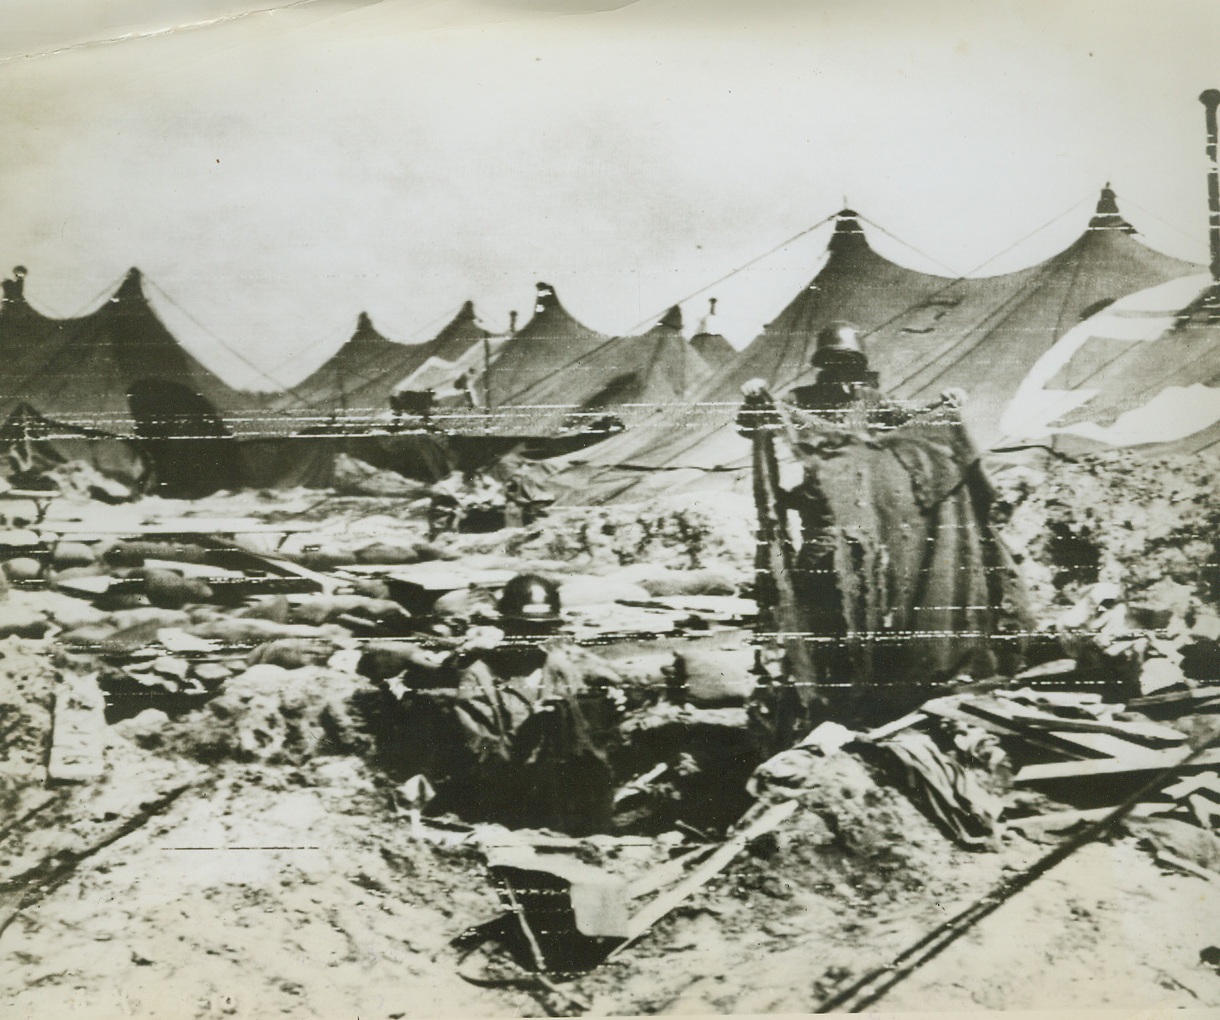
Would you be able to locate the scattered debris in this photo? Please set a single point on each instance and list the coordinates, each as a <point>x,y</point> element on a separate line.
<point>76,738</point>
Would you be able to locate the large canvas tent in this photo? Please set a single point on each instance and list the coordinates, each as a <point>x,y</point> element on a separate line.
<point>118,372</point>
<point>359,378</point>
<point>82,370</point>
<point>552,344</point>
<point>924,334</point>
<point>626,377</point>
<point>337,409</point>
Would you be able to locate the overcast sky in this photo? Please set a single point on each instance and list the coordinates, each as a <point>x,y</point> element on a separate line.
<point>276,173</point>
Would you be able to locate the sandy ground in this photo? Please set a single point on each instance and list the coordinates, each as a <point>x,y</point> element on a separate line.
<point>295,886</point>
<point>268,890</point>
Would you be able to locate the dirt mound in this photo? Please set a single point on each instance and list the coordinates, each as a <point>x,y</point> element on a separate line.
<point>266,714</point>
<point>854,824</point>
<point>1147,524</point>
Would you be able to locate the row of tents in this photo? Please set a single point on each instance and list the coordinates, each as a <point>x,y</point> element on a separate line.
<point>1072,350</point>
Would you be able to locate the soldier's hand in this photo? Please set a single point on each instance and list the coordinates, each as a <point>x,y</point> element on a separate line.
<point>616,698</point>
<point>954,396</point>
<point>482,639</point>
<point>754,389</point>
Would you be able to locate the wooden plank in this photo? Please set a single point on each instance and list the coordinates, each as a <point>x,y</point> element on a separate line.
<point>78,730</point>
<point>1045,740</point>
<point>1197,694</point>
<point>1149,733</point>
<point>896,726</point>
<point>705,872</point>
<point>1203,809</point>
<point>1113,766</point>
<point>244,559</point>
<point>1102,745</point>
<point>184,527</point>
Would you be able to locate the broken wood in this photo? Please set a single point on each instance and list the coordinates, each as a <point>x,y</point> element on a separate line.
<point>716,863</point>
<point>572,999</point>
<point>1191,784</point>
<point>1198,694</point>
<point>867,990</point>
<point>1187,866</point>
<point>944,708</point>
<point>1022,719</point>
<point>1100,745</point>
<point>663,874</point>
<point>78,728</point>
<point>1114,766</point>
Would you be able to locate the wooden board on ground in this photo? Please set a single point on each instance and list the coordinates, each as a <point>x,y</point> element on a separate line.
<point>1022,718</point>
<point>1114,766</point>
<point>1101,745</point>
<point>949,708</point>
<point>78,730</point>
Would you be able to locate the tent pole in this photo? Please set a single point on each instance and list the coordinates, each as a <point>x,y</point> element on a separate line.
<point>487,371</point>
<point>1211,100</point>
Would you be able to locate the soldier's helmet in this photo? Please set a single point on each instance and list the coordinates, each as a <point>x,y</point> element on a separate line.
<point>839,343</point>
<point>530,598</point>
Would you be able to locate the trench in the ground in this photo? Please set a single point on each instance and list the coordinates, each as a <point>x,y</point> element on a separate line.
<point>702,786</point>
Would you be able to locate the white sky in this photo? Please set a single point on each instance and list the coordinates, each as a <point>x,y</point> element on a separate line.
<point>277,173</point>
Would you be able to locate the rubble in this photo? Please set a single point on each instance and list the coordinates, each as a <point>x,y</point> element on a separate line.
<point>267,659</point>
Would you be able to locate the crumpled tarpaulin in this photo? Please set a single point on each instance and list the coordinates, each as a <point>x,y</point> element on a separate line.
<point>947,790</point>
<point>901,582</point>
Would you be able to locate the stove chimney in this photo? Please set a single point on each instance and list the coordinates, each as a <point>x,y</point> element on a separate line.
<point>1211,100</point>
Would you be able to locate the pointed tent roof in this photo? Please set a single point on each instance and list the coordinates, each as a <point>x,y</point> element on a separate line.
<point>1105,263</point>
<point>924,334</point>
<point>363,373</point>
<point>630,375</point>
<point>81,369</point>
<point>550,344</point>
<point>356,375</point>
<point>462,333</point>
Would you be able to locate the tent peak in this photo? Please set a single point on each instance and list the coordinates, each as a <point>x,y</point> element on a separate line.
<point>848,232</point>
<point>672,319</point>
<point>14,289</point>
<point>364,323</point>
<point>545,297</point>
<point>131,287</point>
<point>1106,216</point>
